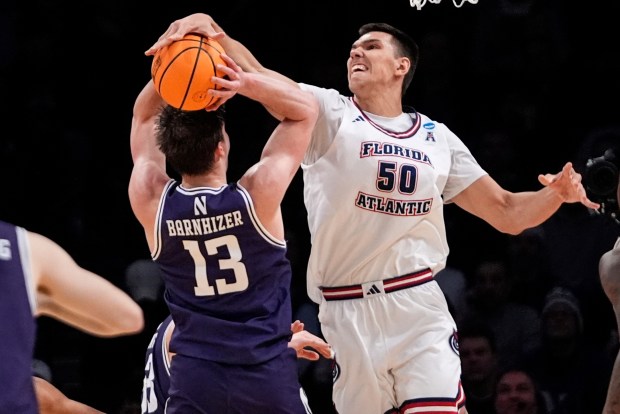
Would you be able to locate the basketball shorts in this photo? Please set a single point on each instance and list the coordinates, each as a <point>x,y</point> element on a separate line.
<point>395,352</point>
<point>207,387</point>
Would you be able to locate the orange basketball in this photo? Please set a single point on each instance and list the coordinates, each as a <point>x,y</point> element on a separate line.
<point>182,71</point>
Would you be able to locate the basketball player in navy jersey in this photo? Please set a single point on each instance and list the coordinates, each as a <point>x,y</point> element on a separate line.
<point>158,358</point>
<point>38,277</point>
<point>221,246</point>
<point>376,177</point>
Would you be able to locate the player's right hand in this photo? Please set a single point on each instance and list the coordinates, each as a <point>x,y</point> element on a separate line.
<point>229,84</point>
<point>194,23</point>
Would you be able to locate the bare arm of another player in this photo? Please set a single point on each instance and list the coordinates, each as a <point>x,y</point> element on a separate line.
<point>52,401</point>
<point>609,270</point>
<point>514,212</point>
<point>204,24</point>
<point>268,180</point>
<point>78,297</point>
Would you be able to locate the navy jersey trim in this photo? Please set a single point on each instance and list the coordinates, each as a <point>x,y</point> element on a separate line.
<point>255,221</point>
<point>24,254</point>
<point>157,230</point>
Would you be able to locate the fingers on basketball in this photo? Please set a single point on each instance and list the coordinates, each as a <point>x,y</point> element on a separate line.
<point>182,71</point>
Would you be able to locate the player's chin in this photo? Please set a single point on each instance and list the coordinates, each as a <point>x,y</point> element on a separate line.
<point>356,81</point>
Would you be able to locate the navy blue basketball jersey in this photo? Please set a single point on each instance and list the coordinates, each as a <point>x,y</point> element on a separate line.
<point>18,327</point>
<point>227,279</point>
<point>156,371</point>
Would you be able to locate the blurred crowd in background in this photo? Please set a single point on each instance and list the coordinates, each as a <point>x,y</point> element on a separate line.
<point>526,84</point>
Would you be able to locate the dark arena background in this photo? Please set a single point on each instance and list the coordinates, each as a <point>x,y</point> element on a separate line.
<point>526,84</point>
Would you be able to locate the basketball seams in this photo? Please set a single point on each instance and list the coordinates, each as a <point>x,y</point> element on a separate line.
<point>188,87</point>
<point>183,78</point>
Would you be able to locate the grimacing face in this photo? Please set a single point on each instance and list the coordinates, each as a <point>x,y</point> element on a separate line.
<point>372,58</point>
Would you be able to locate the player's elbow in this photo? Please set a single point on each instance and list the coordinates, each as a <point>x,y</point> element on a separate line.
<point>509,226</point>
<point>129,322</point>
<point>134,322</point>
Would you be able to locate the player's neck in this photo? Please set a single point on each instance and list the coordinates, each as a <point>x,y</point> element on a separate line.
<point>380,104</point>
<point>211,180</point>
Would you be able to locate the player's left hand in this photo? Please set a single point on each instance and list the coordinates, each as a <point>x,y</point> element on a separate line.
<point>567,184</point>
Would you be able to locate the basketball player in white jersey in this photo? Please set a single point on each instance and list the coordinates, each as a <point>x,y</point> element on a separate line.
<point>376,176</point>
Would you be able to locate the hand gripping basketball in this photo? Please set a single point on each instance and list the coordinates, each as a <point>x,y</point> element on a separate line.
<point>182,71</point>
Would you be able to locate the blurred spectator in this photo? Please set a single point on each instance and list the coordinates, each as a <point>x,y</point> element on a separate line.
<point>479,367</point>
<point>572,375</point>
<point>516,392</point>
<point>453,284</point>
<point>516,326</point>
<point>528,262</point>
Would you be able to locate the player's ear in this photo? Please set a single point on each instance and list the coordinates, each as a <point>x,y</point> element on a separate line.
<point>220,151</point>
<point>402,65</point>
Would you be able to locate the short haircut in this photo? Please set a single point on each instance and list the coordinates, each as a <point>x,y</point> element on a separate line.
<point>189,139</point>
<point>405,46</point>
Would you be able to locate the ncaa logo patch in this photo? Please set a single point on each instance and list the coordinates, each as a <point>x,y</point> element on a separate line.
<point>429,125</point>
<point>454,342</point>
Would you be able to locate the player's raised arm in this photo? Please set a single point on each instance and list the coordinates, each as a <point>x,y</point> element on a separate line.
<point>204,24</point>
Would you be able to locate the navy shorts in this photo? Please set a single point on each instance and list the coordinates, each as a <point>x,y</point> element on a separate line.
<point>207,387</point>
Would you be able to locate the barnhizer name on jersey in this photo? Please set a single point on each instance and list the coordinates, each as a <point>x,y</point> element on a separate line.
<point>204,225</point>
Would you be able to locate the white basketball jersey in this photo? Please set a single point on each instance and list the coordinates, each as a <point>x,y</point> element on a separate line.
<point>373,190</point>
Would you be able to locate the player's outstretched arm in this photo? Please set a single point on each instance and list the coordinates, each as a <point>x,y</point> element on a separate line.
<point>79,297</point>
<point>514,212</point>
